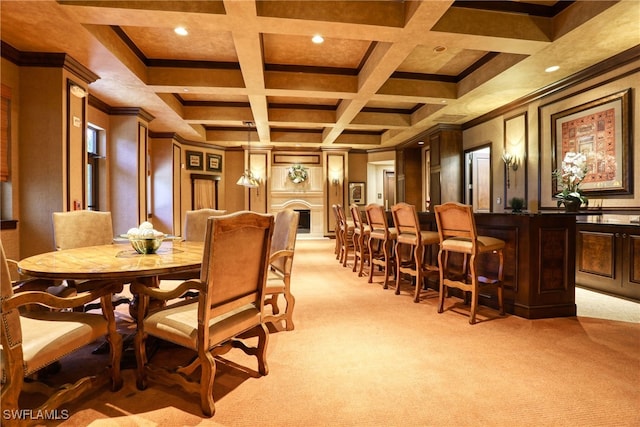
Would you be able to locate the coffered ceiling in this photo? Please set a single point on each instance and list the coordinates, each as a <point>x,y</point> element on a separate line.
<point>387,71</point>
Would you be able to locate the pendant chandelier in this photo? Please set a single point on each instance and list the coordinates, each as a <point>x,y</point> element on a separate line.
<point>247,179</point>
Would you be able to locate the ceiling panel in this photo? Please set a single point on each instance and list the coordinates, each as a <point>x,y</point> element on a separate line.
<point>386,71</point>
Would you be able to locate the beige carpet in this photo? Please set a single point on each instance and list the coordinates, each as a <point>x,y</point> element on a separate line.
<point>362,356</point>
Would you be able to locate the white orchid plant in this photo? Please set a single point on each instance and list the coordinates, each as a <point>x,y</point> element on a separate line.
<point>569,176</point>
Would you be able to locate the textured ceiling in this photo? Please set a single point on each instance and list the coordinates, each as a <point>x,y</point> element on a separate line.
<point>386,72</point>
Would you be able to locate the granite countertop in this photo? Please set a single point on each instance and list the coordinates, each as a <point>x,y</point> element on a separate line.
<point>626,220</point>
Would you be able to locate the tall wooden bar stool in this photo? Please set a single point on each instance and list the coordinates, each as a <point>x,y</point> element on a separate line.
<point>405,219</point>
<point>338,231</point>
<point>382,239</point>
<point>457,230</point>
<point>361,233</point>
<point>346,235</point>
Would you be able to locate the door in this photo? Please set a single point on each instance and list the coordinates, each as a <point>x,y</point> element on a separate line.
<point>478,177</point>
<point>389,188</point>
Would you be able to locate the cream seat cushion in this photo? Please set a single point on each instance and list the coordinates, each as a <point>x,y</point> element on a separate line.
<point>179,324</point>
<point>428,238</point>
<point>464,245</point>
<point>42,333</point>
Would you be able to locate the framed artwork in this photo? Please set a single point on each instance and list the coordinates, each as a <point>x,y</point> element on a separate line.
<point>194,160</point>
<point>600,130</point>
<point>356,193</point>
<point>214,162</point>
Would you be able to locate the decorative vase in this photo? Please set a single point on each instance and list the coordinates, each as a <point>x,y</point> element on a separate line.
<point>572,205</point>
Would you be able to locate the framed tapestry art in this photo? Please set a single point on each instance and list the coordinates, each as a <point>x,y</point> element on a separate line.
<point>194,160</point>
<point>600,130</point>
<point>214,162</point>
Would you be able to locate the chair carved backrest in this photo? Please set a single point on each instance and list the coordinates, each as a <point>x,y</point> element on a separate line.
<point>342,217</point>
<point>356,215</point>
<point>77,229</point>
<point>406,220</point>
<point>195,223</point>
<point>456,220</point>
<point>284,238</point>
<point>377,219</point>
<point>234,265</point>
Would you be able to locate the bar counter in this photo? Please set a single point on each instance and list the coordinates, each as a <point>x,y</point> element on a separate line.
<point>539,265</point>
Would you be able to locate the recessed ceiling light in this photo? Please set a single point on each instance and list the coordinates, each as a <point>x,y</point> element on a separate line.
<point>443,101</point>
<point>439,49</point>
<point>420,142</point>
<point>317,39</point>
<point>181,31</point>
<point>185,90</point>
<point>552,69</point>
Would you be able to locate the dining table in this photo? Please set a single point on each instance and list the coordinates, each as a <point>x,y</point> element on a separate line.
<point>117,261</point>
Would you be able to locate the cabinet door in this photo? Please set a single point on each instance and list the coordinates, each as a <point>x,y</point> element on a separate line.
<point>597,263</point>
<point>631,260</point>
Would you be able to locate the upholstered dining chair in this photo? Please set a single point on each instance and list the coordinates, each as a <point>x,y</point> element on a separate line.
<point>229,307</point>
<point>458,234</point>
<point>195,223</point>
<point>405,219</point>
<point>382,240</point>
<point>283,245</point>
<point>34,340</point>
<point>78,229</point>
<point>361,233</point>
<point>194,229</point>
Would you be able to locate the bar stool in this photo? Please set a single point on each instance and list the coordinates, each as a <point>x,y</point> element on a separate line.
<point>384,238</point>
<point>346,235</point>
<point>361,233</point>
<point>338,231</point>
<point>457,231</point>
<point>405,219</point>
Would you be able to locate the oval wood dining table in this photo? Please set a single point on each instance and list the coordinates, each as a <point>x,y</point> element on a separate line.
<point>117,261</point>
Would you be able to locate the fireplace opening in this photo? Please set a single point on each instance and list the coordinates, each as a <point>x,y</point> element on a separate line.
<point>304,224</point>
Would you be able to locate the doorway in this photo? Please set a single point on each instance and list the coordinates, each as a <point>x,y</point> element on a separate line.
<point>477,176</point>
<point>389,188</point>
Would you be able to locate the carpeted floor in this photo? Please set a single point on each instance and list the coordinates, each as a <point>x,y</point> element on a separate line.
<point>362,356</point>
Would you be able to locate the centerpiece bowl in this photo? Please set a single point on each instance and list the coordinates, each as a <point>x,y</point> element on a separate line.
<point>144,245</point>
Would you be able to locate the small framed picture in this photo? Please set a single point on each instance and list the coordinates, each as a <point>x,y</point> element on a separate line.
<point>194,160</point>
<point>214,162</point>
<point>356,193</point>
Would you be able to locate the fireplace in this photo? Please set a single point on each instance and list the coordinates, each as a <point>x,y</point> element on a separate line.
<point>304,224</point>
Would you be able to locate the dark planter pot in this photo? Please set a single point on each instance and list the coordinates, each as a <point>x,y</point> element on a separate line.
<point>572,205</point>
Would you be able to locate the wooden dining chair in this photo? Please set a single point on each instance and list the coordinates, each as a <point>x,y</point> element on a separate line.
<point>405,219</point>
<point>382,240</point>
<point>194,230</point>
<point>79,229</point>
<point>283,245</point>
<point>458,234</point>
<point>35,340</point>
<point>229,307</point>
<point>195,223</point>
<point>361,233</point>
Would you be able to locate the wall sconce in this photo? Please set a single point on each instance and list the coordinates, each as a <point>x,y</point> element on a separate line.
<point>336,183</point>
<point>511,162</point>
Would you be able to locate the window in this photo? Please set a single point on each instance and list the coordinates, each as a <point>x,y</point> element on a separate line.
<point>93,158</point>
